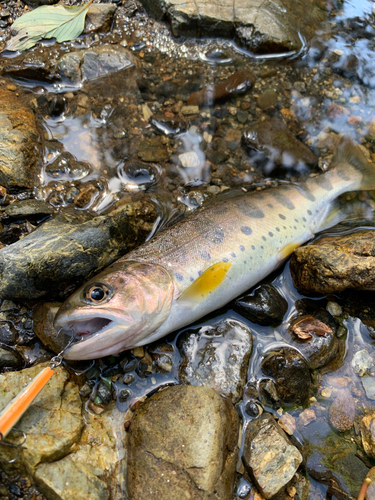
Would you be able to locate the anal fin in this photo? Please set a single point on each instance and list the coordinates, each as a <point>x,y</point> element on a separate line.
<point>206,283</point>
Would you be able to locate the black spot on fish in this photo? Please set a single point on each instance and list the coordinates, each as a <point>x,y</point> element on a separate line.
<point>309,212</point>
<point>283,200</point>
<point>221,208</point>
<point>246,230</point>
<point>284,227</point>
<point>233,254</point>
<point>200,272</point>
<point>304,219</point>
<point>262,247</point>
<point>218,236</point>
<point>253,247</point>
<point>191,279</point>
<point>205,255</point>
<point>343,175</point>
<point>295,227</point>
<point>296,220</point>
<point>264,238</point>
<point>271,234</point>
<point>249,209</point>
<point>323,182</point>
<point>278,229</point>
<point>179,277</point>
<point>269,205</point>
<point>242,248</point>
<point>244,261</point>
<point>282,216</point>
<point>225,259</point>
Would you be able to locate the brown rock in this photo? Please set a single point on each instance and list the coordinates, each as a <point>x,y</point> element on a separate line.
<point>342,411</point>
<point>368,434</point>
<point>267,99</point>
<point>20,148</point>
<point>183,444</point>
<point>333,264</point>
<point>238,83</point>
<point>151,149</point>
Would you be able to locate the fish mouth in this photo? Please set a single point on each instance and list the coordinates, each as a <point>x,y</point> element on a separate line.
<point>96,336</point>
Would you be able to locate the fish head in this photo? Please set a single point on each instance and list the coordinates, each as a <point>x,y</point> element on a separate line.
<point>116,309</point>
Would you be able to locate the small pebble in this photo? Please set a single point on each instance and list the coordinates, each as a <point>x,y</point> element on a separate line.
<point>138,352</point>
<point>334,308</point>
<point>362,362</point>
<point>342,411</point>
<point>306,417</point>
<point>326,392</point>
<point>190,110</point>
<point>288,423</point>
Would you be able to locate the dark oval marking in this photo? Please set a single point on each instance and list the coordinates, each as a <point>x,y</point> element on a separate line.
<point>218,236</point>
<point>253,247</point>
<point>205,255</point>
<point>242,248</point>
<point>278,229</point>
<point>249,209</point>
<point>246,230</point>
<point>305,191</point>
<point>233,254</point>
<point>282,216</point>
<point>191,279</point>
<point>283,200</point>
<point>323,182</point>
<point>225,259</point>
<point>304,219</point>
<point>264,238</point>
<point>269,205</point>
<point>270,233</point>
<point>179,277</point>
<point>309,212</point>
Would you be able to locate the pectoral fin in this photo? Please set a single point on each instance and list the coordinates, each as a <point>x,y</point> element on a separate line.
<point>206,283</point>
<point>288,250</point>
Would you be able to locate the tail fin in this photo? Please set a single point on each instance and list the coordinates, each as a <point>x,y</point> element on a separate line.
<point>350,153</point>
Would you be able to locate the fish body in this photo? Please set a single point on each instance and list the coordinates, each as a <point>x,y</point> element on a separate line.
<point>205,261</point>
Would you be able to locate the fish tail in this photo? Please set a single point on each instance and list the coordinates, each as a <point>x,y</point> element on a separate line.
<point>350,153</point>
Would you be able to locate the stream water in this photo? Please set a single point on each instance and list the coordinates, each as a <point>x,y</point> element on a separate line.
<point>325,90</point>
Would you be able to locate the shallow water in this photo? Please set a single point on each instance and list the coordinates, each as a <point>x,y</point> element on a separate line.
<point>102,131</point>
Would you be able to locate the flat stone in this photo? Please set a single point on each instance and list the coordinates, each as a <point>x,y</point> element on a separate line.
<point>217,357</point>
<point>20,146</point>
<point>27,209</point>
<point>267,99</point>
<point>262,27</point>
<point>342,411</point>
<point>190,110</point>
<point>183,444</point>
<point>369,386</point>
<point>334,264</point>
<point>269,456</point>
<point>264,306</point>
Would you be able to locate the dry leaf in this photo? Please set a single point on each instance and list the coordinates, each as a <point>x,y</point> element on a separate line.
<point>307,325</point>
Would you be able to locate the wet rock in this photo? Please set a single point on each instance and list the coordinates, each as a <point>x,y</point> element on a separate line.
<point>267,99</point>
<point>53,423</point>
<point>342,411</point>
<point>261,27</point>
<point>99,17</point>
<point>217,357</point>
<point>319,343</point>
<point>66,166</point>
<point>65,250</point>
<point>8,335</point>
<point>264,306</point>
<point>333,264</point>
<point>238,83</point>
<point>20,148</point>
<point>86,65</point>
<point>291,373</point>
<point>269,456</point>
<point>136,173</point>
<point>362,362</point>
<point>183,444</point>
<point>168,126</point>
<point>10,359</point>
<point>368,434</point>
<point>38,3</point>
<point>288,423</point>
<point>152,150</point>
<point>306,417</point>
<point>43,316</point>
<point>27,209</point>
<point>272,141</point>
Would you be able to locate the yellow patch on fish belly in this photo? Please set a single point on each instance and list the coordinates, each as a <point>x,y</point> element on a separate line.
<point>206,283</point>
<point>288,250</point>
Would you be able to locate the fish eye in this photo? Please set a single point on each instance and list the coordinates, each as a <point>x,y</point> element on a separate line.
<point>97,294</point>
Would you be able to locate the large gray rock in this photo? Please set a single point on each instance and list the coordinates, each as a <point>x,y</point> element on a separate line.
<point>20,147</point>
<point>65,250</point>
<point>183,444</point>
<point>269,456</point>
<point>262,26</point>
<point>218,357</point>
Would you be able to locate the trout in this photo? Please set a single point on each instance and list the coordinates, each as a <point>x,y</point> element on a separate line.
<point>202,263</point>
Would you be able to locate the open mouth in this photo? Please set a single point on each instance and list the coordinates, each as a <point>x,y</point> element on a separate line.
<point>90,327</point>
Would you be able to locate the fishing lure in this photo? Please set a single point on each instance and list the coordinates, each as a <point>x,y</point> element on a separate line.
<point>15,409</point>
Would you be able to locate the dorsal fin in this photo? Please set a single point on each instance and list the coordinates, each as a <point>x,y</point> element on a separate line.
<point>206,283</point>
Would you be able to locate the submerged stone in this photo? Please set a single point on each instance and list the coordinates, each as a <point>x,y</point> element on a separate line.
<point>269,456</point>
<point>238,83</point>
<point>342,411</point>
<point>264,306</point>
<point>274,144</point>
<point>333,264</point>
<point>291,374</point>
<point>217,357</point>
<point>183,444</point>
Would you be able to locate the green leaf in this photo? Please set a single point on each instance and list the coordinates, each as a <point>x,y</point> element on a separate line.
<point>49,21</point>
